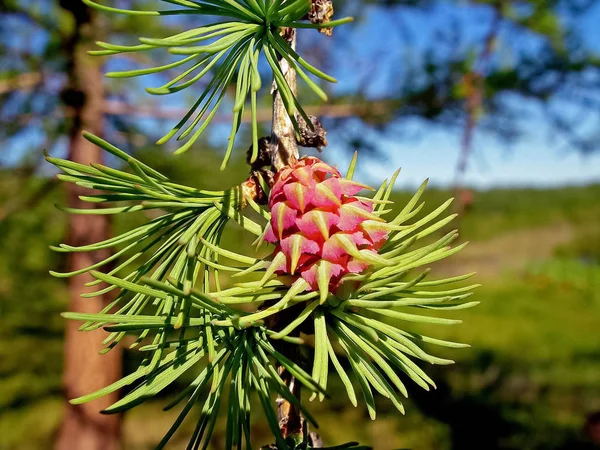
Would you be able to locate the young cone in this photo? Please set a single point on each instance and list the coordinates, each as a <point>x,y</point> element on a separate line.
<point>321,230</point>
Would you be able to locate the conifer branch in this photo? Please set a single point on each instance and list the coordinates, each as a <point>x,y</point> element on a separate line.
<point>339,270</point>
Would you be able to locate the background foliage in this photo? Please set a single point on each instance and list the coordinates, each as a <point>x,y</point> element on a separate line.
<point>527,384</point>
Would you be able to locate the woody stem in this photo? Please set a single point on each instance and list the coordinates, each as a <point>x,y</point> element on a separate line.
<point>284,150</point>
<point>284,147</point>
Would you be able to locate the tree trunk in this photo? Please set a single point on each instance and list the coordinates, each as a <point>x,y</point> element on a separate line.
<point>85,371</point>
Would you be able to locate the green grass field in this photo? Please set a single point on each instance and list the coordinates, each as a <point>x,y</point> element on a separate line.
<point>528,382</point>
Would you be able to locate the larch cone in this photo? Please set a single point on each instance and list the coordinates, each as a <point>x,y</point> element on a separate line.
<point>322,231</point>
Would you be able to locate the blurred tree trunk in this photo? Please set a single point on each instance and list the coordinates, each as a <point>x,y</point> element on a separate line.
<point>85,370</point>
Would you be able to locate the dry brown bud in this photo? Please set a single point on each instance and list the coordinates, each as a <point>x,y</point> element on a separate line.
<point>321,11</point>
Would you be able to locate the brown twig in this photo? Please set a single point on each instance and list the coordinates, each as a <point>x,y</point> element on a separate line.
<point>284,148</point>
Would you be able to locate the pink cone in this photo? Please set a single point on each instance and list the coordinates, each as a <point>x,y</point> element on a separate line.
<point>317,222</point>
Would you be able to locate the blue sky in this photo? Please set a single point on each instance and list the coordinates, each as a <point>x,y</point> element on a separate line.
<point>538,159</point>
<point>528,163</point>
<point>535,160</point>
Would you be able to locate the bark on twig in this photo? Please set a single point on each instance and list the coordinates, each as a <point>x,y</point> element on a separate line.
<point>284,148</point>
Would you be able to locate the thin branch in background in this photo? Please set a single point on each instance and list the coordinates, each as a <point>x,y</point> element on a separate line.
<point>27,81</point>
<point>21,82</point>
<point>474,86</point>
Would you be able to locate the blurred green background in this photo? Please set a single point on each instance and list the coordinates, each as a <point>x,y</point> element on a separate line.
<point>530,381</point>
